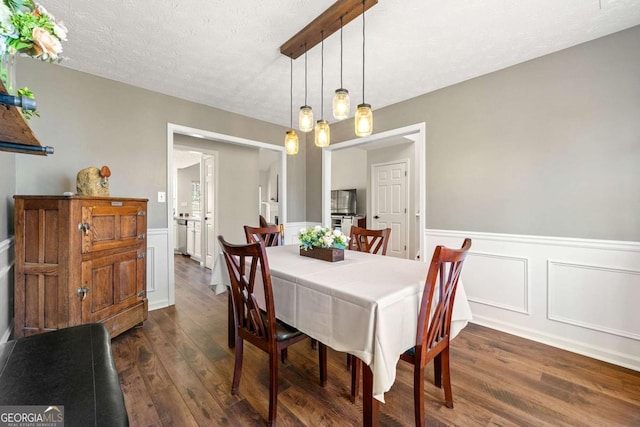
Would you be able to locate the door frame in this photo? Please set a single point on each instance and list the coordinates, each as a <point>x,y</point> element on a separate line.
<point>416,133</point>
<point>173,129</point>
<point>408,187</point>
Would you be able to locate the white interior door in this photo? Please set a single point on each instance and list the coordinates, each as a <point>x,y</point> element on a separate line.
<point>389,204</point>
<point>209,240</point>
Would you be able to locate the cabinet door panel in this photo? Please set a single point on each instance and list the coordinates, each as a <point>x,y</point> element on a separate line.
<point>108,226</point>
<point>113,283</point>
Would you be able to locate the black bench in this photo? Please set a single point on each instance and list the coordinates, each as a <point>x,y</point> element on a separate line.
<point>71,367</point>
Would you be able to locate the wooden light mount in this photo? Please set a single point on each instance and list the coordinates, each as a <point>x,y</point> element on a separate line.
<point>327,23</point>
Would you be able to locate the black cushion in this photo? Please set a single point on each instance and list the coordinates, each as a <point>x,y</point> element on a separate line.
<point>283,330</point>
<point>72,367</point>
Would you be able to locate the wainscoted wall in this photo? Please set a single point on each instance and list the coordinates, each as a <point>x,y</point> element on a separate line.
<point>7,261</point>
<point>577,294</point>
<point>158,269</point>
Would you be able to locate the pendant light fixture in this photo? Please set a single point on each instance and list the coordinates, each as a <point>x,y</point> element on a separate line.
<point>364,115</point>
<point>305,118</point>
<point>323,133</point>
<point>291,138</point>
<point>341,103</point>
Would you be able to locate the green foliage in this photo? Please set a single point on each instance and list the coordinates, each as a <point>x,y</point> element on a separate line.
<point>28,114</point>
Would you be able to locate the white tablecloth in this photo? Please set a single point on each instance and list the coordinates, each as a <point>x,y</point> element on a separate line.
<point>220,275</point>
<point>366,305</point>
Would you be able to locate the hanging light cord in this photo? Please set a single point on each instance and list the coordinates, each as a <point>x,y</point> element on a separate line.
<point>363,41</point>
<point>305,74</point>
<point>322,76</point>
<point>291,94</point>
<point>341,85</point>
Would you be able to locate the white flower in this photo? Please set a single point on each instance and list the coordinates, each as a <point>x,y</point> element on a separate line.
<point>317,227</point>
<point>7,29</point>
<point>337,233</point>
<point>45,44</point>
<point>60,31</point>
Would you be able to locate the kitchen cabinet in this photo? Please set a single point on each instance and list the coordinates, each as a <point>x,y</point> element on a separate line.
<point>197,241</point>
<point>191,238</point>
<point>79,259</point>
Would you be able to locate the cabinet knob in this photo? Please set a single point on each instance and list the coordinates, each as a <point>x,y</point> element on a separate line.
<point>85,227</point>
<point>83,291</point>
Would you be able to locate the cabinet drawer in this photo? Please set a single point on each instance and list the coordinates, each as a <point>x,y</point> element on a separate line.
<point>112,224</point>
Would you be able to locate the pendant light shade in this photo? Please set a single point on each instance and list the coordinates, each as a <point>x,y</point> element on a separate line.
<point>341,102</point>
<point>305,117</point>
<point>364,115</point>
<point>323,132</point>
<point>291,138</point>
<point>364,120</point>
<point>291,142</point>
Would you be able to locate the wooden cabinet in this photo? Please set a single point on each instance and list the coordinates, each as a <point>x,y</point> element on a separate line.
<point>79,259</point>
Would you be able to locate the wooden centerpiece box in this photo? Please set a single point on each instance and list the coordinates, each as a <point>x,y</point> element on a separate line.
<point>325,254</point>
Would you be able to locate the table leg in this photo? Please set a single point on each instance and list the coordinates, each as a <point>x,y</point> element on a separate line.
<point>370,406</point>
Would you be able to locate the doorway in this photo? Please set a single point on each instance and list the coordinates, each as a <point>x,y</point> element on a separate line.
<point>168,295</point>
<point>412,134</point>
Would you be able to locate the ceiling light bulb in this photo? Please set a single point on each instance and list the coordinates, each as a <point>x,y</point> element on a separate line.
<point>291,142</point>
<point>364,120</point>
<point>323,133</point>
<point>341,104</point>
<point>305,119</point>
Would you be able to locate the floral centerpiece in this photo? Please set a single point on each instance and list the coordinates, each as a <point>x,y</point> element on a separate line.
<point>322,243</point>
<point>318,237</point>
<point>27,28</point>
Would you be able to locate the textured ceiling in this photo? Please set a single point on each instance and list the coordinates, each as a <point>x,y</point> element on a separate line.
<point>225,53</point>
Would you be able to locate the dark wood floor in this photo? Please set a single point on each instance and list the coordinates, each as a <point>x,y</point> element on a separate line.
<point>176,370</point>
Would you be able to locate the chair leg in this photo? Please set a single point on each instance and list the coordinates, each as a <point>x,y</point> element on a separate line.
<point>237,369</point>
<point>283,355</point>
<point>356,368</point>
<point>314,344</point>
<point>231,322</point>
<point>418,393</point>
<point>349,357</point>
<point>322,358</point>
<point>273,388</point>
<point>446,374</point>
<point>437,370</point>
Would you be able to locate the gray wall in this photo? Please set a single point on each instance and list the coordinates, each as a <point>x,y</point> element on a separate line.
<point>239,177</point>
<point>7,190</point>
<point>549,147</point>
<point>91,121</point>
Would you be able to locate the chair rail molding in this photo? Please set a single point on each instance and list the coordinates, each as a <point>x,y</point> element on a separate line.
<point>552,289</point>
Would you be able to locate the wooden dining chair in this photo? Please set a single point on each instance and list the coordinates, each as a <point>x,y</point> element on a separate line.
<point>372,241</point>
<point>434,326</point>
<point>271,235</point>
<point>256,325</point>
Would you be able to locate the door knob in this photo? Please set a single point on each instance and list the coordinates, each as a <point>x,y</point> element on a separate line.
<point>376,217</point>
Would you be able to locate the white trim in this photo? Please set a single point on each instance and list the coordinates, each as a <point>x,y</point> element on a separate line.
<point>7,264</point>
<point>416,132</point>
<point>172,129</point>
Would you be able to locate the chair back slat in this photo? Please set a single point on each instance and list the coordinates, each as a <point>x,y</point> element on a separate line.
<point>247,313</point>
<point>271,235</point>
<point>372,241</point>
<point>434,321</point>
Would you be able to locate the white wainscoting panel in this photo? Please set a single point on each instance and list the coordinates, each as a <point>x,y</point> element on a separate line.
<point>157,268</point>
<point>577,294</point>
<point>603,291</point>
<point>7,262</point>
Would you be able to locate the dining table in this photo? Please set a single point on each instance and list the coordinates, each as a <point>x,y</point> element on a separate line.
<point>366,305</point>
